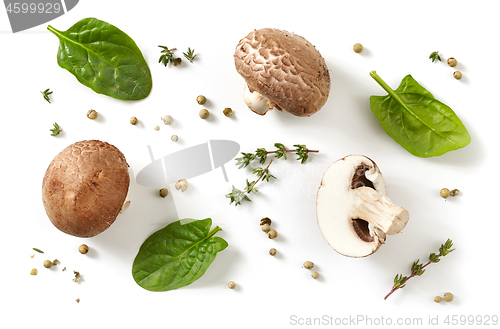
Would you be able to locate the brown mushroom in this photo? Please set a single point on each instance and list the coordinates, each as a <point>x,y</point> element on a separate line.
<point>282,70</point>
<point>85,187</point>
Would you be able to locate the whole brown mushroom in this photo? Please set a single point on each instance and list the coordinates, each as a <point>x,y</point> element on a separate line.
<point>282,70</point>
<point>85,188</point>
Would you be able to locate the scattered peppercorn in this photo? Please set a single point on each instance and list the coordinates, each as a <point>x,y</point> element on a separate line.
<point>167,119</point>
<point>56,262</point>
<point>452,62</point>
<point>438,299</point>
<point>265,228</point>
<point>272,251</point>
<point>454,192</point>
<point>272,234</point>
<point>182,185</point>
<point>228,112</point>
<point>265,220</point>
<point>156,128</point>
<point>177,61</point>
<point>231,285</point>
<point>77,300</point>
<point>34,271</point>
<point>204,113</point>
<point>77,276</point>
<point>357,48</point>
<point>308,265</point>
<point>174,138</point>
<point>47,264</point>
<point>133,121</point>
<point>201,99</point>
<point>315,275</point>
<point>163,192</point>
<point>448,297</point>
<point>457,75</point>
<point>92,114</point>
<point>444,193</point>
<point>83,249</point>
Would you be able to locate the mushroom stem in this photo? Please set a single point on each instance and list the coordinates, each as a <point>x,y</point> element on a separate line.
<point>126,203</point>
<point>256,102</point>
<point>382,215</point>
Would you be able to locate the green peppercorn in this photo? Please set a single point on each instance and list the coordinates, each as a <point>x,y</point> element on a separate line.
<point>357,48</point>
<point>438,299</point>
<point>204,113</point>
<point>92,114</point>
<point>308,265</point>
<point>177,61</point>
<point>47,264</point>
<point>452,62</point>
<point>444,193</point>
<point>228,112</point>
<point>163,192</point>
<point>201,99</point>
<point>265,220</point>
<point>448,297</point>
<point>265,228</point>
<point>83,249</point>
<point>167,119</point>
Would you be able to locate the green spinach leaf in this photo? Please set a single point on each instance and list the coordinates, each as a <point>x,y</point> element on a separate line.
<point>177,255</point>
<point>104,58</point>
<point>424,126</point>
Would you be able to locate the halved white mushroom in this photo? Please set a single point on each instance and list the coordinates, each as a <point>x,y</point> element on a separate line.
<point>353,210</point>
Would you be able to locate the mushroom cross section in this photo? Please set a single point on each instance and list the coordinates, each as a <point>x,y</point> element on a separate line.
<point>354,212</point>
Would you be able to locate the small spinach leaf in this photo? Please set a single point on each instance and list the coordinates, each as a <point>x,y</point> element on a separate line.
<point>411,115</point>
<point>104,58</point>
<point>177,255</point>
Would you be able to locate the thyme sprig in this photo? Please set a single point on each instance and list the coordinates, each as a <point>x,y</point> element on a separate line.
<point>46,93</point>
<point>417,268</point>
<point>168,56</point>
<point>190,56</point>
<point>261,154</point>
<point>237,195</point>
<point>280,152</point>
<point>56,130</point>
<point>435,56</point>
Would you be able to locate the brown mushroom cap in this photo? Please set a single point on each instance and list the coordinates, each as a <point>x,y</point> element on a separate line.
<point>285,68</point>
<point>85,187</point>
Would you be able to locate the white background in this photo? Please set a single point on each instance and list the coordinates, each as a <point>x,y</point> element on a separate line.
<point>398,37</point>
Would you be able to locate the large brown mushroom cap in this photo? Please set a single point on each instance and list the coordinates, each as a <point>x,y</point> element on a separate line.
<point>84,188</point>
<point>285,69</point>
